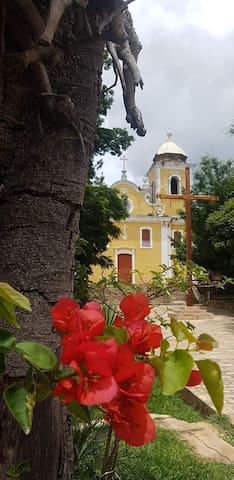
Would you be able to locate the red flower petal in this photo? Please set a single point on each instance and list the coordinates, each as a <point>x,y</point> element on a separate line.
<point>144,336</point>
<point>97,391</point>
<point>131,422</point>
<point>119,322</point>
<point>66,311</point>
<point>67,389</point>
<point>139,385</point>
<point>123,368</point>
<point>135,307</point>
<point>93,306</point>
<point>92,322</point>
<point>95,358</point>
<point>194,379</point>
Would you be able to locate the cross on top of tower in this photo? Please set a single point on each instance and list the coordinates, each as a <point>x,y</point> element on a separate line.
<point>169,135</point>
<point>124,171</point>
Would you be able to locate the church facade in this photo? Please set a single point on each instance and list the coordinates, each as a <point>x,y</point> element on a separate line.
<point>145,240</point>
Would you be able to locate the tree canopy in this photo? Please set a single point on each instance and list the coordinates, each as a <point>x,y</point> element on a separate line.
<point>102,208</point>
<point>220,227</point>
<point>113,140</point>
<point>102,205</point>
<point>211,220</point>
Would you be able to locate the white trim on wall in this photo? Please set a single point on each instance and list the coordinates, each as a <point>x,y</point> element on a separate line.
<point>166,244</point>
<point>151,237</point>
<point>174,175</point>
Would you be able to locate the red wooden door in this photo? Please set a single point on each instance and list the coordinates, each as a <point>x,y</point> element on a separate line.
<point>125,267</point>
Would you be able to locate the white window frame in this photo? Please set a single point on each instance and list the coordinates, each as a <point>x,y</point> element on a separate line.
<point>151,237</point>
<point>174,175</point>
<point>129,251</point>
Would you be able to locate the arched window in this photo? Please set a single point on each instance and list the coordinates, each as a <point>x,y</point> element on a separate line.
<point>174,185</point>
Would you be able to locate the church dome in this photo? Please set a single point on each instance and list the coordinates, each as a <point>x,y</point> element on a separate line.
<point>170,147</point>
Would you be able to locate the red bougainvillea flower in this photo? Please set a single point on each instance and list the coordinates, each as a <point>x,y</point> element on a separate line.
<point>66,388</point>
<point>131,421</point>
<point>93,306</point>
<point>91,321</point>
<point>143,336</point>
<point>194,379</point>
<point>134,307</point>
<point>134,378</point>
<point>93,362</point>
<point>68,317</point>
<point>127,413</point>
<point>65,314</point>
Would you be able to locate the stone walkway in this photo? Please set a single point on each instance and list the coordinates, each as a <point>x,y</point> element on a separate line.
<point>220,325</point>
<point>201,436</point>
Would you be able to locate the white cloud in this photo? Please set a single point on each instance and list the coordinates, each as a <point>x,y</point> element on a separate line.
<point>187,64</point>
<point>214,16</point>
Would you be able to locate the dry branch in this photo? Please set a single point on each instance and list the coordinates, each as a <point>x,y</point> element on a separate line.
<point>49,55</point>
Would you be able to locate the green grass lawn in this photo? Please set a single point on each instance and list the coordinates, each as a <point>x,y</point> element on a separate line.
<point>167,458</point>
<point>175,406</point>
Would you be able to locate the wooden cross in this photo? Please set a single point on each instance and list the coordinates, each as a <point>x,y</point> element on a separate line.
<point>188,226</point>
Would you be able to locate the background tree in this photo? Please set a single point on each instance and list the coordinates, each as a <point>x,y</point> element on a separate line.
<point>109,140</point>
<point>220,227</point>
<point>212,228</point>
<point>102,204</point>
<point>102,208</point>
<point>213,177</point>
<point>50,81</point>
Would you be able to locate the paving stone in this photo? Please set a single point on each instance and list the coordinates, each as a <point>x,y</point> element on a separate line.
<point>202,437</point>
<point>220,325</point>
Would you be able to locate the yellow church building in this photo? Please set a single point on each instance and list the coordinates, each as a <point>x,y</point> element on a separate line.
<point>145,240</point>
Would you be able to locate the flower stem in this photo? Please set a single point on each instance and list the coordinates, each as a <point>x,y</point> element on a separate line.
<point>106,454</point>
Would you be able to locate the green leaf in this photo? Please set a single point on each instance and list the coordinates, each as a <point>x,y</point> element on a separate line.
<point>188,335</point>
<point>157,363</point>
<point>206,342</point>
<point>68,372</point>
<point>175,372</point>
<point>7,313</point>
<point>37,355</point>
<point>119,334</point>
<point>212,378</point>
<point>176,330</point>
<point>7,340</point>
<point>109,314</point>
<point>42,392</point>
<point>12,471</point>
<point>164,346</point>
<point>79,411</point>
<point>2,363</point>
<point>181,332</point>
<point>11,295</point>
<point>23,466</point>
<point>16,398</point>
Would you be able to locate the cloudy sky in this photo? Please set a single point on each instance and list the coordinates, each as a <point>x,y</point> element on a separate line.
<point>187,64</point>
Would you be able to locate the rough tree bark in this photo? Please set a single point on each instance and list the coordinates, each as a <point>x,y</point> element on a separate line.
<point>43,169</point>
<point>47,131</point>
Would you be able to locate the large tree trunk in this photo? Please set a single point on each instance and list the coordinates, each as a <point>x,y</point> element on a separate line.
<point>43,169</point>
